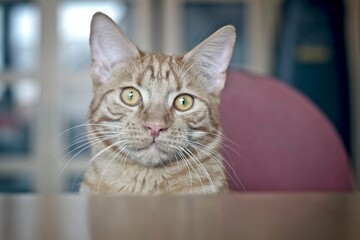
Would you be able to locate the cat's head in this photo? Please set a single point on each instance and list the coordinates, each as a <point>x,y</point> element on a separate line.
<point>154,108</point>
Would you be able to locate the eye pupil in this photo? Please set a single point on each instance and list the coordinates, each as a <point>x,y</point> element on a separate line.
<point>183,101</point>
<point>131,95</point>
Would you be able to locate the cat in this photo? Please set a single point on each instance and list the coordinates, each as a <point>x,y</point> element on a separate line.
<point>154,118</point>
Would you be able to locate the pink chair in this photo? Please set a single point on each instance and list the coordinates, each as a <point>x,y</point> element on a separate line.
<point>280,140</point>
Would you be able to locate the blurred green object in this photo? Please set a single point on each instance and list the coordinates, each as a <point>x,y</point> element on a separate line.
<point>311,56</point>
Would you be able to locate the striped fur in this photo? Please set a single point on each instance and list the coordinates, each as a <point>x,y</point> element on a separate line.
<point>185,158</point>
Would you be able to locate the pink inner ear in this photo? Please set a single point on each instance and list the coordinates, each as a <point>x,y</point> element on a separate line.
<point>212,57</point>
<point>109,46</point>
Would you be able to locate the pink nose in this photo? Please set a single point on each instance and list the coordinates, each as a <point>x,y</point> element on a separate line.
<point>155,129</point>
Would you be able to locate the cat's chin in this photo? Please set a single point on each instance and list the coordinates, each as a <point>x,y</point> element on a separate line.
<point>151,156</point>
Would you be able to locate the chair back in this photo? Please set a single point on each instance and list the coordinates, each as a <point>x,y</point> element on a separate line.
<point>277,140</point>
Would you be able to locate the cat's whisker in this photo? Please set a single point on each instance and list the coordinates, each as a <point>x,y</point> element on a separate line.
<point>177,161</point>
<point>83,146</point>
<point>131,60</point>
<point>71,159</point>
<point>83,125</point>
<point>92,141</point>
<point>191,66</point>
<point>88,137</point>
<point>90,133</point>
<point>85,138</point>
<point>217,161</point>
<point>224,145</point>
<point>178,165</point>
<point>232,168</point>
<point>220,134</point>
<point>126,156</point>
<point>190,167</point>
<point>163,165</point>
<point>196,172</point>
<point>141,68</point>
<point>93,159</point>
<point>228,141</point>
<point>106,125</point>
<point>108,162</point>
<point>69,129</point>
<point>223,137</point>
<point>207,150</point>
<point>182,67</point>
<point>113,157</point>
<point>199,164</point>
<point>183,157</point>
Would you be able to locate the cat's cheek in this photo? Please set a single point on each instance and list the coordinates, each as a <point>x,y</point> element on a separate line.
<point>198,119</point>
<point>197,134</point>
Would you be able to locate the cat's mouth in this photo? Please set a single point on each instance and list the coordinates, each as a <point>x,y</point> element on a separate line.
<point>155,147</point>
<point>151,155</point>
<point>152,147</point>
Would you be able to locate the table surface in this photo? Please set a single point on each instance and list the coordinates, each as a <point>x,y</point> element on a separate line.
<point>235,216</point>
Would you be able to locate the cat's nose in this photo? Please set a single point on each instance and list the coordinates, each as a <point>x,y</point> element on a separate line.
<point>155,129</point>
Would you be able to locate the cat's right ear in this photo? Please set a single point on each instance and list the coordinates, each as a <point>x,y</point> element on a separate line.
<point>109,46</point>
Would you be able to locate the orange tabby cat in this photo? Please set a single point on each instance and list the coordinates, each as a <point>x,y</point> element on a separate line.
<point>155,117</point>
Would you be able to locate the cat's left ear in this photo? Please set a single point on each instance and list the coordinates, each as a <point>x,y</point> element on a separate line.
<point>212,56</point>
<point>109,46</point>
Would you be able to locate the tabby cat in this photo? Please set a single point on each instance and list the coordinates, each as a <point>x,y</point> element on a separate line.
<point>153,121</point>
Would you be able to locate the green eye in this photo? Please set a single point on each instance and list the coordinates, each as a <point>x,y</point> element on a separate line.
<point>183,102</point>
<point>130,96</point>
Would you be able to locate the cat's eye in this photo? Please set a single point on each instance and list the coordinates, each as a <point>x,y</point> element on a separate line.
<point>130,96</point>
<point>183,102</point>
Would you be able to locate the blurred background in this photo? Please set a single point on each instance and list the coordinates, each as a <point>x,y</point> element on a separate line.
<point>45,87</point>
